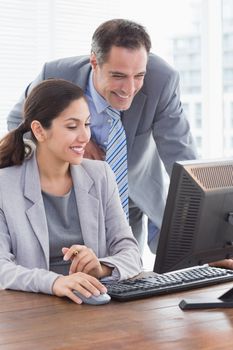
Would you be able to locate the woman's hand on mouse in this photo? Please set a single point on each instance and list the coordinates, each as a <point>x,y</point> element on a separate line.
<point>83,283</point>
<point>83,259</point>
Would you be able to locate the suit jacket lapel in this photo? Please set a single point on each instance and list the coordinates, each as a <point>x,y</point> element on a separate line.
<point>88,206</point>
<point>36,213</point>
<point>83,74</point>
<point>131,118</point>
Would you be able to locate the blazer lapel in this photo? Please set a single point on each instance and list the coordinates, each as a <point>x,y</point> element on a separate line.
<point>88,206</point>
<point>81,79</point>
<point>131,118</point>
<point>36,213</point>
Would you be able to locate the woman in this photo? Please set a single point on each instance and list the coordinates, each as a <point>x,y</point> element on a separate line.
<point>62,227</point>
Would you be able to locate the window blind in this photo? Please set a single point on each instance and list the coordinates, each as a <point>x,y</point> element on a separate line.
<point>33,32</point>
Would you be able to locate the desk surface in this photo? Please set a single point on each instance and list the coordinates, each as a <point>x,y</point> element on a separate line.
<point>36,321</point>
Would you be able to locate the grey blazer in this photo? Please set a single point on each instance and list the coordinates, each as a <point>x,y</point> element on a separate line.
<point>24,237</point>
<point>155,125</point>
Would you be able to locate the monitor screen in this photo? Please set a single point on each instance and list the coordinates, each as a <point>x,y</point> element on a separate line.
<point>197,225</point>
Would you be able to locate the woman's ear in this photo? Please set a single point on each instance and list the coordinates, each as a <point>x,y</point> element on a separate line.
<point>38,131</point>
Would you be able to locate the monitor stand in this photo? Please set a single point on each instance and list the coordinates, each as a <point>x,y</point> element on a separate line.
<point>224,301</point>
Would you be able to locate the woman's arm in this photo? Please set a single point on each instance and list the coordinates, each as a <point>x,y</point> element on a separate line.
<point>34,279</point>
<point>123,252</point>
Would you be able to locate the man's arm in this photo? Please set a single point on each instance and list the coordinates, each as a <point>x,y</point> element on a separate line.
<point>15,116</point>
<point>171,128</point>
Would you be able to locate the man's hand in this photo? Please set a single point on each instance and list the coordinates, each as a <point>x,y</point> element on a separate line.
<point>226,264</point>
<point>93,151</point>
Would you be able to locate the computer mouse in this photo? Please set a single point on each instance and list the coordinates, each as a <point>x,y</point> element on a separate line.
<point>94,300</point>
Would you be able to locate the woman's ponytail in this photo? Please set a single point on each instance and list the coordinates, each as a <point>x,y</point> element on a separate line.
<point>12,147</point>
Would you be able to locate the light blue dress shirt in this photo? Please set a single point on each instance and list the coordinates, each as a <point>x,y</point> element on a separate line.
<point>100,120</point>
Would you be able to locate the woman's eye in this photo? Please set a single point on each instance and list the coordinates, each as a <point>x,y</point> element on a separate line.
<point>71,126</point>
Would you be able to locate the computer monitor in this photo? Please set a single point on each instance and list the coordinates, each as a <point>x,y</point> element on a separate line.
<point>197,225</point>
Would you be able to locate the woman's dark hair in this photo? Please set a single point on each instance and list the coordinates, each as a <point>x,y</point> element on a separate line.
<point>44,103</point>
<point>121,33</point>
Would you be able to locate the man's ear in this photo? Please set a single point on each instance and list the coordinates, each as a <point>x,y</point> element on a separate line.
<point>93,60</point>
<point>38,131</point>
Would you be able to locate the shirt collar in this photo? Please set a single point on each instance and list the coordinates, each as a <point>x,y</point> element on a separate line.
<point>99,102</point>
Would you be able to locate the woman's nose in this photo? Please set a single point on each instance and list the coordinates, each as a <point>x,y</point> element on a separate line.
<point>84,134</point>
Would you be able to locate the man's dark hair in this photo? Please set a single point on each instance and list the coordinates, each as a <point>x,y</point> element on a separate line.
<point>121,33</point>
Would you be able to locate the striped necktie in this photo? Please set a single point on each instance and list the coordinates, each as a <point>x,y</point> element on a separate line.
<point>116,156</point>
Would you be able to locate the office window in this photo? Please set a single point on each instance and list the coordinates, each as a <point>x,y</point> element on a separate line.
<point>33,32</point>
<point>186,108</point>
<point>198,116</point>
<point>227,66</point>
<point>199,141</point>
<point>231,116</point>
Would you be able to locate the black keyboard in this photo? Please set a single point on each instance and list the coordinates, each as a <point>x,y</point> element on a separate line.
<point>168,283</point>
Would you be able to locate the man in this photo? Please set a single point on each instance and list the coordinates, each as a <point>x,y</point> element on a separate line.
<point>122,73</point>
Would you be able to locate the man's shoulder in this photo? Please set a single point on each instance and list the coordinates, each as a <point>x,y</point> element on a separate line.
<point>156,62</point>
<point>66,67</point>
<point>70,61</point>
<point>158,72</point>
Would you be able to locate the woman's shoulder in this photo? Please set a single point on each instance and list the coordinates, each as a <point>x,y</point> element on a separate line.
<point>96,167</point>
<point>97,170</point>
<point>10,177</point>
<point>10,184</point>
<point>14,171</point>
<point>10,170</point>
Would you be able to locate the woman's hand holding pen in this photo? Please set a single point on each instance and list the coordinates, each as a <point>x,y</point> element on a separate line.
<point>83,283</point>
<point>83,259</point>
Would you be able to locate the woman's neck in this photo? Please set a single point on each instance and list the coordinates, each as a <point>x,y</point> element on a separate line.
<point>55,176</point>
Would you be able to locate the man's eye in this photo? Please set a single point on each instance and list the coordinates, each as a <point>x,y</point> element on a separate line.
<point>118,76</point>
<point>140,76</point>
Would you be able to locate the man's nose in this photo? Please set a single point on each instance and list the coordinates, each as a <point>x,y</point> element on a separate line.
<point>129,86</point>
